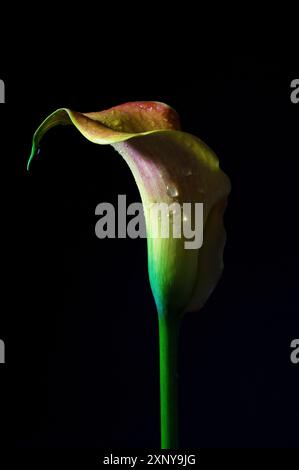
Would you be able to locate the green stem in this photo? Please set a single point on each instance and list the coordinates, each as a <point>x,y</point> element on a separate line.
<point>168,339</point>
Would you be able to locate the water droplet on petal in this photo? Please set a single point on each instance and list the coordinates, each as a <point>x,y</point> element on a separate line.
<point>187,172</point>
<point>172,191</point>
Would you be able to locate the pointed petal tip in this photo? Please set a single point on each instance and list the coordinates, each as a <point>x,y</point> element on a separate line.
<point>33,152</point>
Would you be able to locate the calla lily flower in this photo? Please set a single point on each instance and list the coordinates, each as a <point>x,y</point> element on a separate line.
<point>169,166</point>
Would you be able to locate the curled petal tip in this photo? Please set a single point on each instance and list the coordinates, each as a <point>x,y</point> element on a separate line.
<point>33,152</point>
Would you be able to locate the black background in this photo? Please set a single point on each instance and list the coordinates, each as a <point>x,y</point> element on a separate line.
<point>78,317</point>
